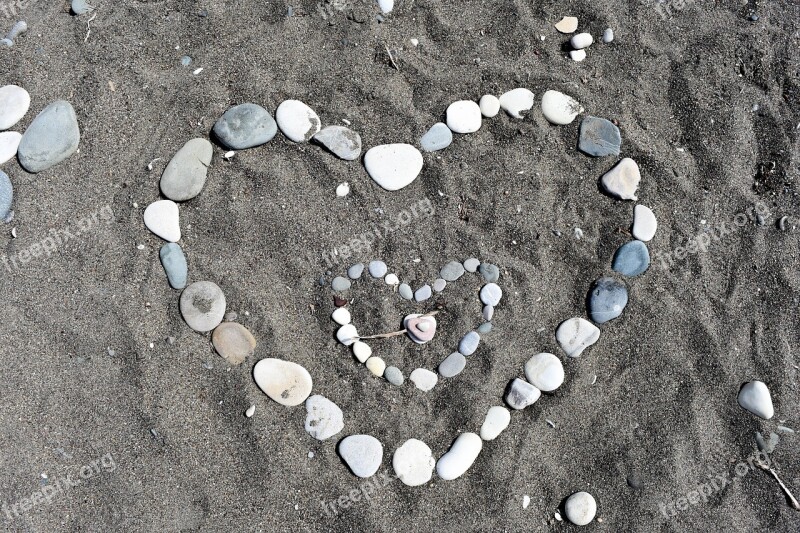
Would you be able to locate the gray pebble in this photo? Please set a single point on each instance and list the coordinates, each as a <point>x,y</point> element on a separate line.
<point>202,305</point>
<point>423,293</point>
<point>186,61</point>
<point>245,126</point>
<point>608,35</point>
<point>489,272</point>
<point>6,195</point>
<point>471,264</point>
<point>405,291</point>
<point>362,453</point>
<point>452,365</point>
<point>355,271</point>
<point>340,283</point>
<point>607,300</point>
<point>439,285</point>
<point>342,142</point>
<point>520,394</point>
<point>488,312</point>
<point>485,328</point>
<point>438,137</point>
<point>52,137</point>
<point>631,259</point>
<point>452,271</point>
<point>393,375</point>
<point>174,261</point>
<point>469,343</point>
<point>599,137</point>
<point>377,269</point>
<point>81,7</point>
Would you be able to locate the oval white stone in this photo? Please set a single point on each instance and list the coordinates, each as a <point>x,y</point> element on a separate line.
<point>341,316</point>
<point>497,419</point>
<point>581,41</point>
<point>413,463</point>
<point>517,101</point>
<point>622,180</point>
<point>459,457</point>
<point>755,397</point>
<point>347,334</point>
<point>163,219</point>
<point>577,55</point>
<point>393,166</point>
<point>392,279</point>
<point>644,223</point>
<point>464,116</point>
<point>376,365</point>
<point>424,379</point>
<point>285,382</point>
<point>545,372</point>
<point>580,508</point>
<point>9,142</point>
<point>575,335</point>
<point>362,351</point>
<point>489,105</point>
<point>558,108</point>
<point>297,121</point>
<point>14,103</point>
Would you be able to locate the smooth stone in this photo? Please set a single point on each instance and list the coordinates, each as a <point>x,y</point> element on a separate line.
<point>392,279</point>
<point>577,55</point>
<point>581,41</point>
<point>233,342</point>
<point>324,419</point>
<point>202,305</point>
<point>162,218</point>
<point>342,142</point>
<point>424,379</point>
<point>340,283</point>
<point>6,195</point>
<point>599,137</point>
<point>14,103</point>
<point>567,24</point>
<point>520,394</point>
<point>51,138</point>
<point>489,105</point>
<point>545,372</point>
<point>580,508</point>
<point>452,365</point>
<point>81,7</point>
<point>484,328</point>
<point>438,137</point>
<point>755,397</point>
<point>488,312</point>
<point>622,181</point>
<point>285,382</point>
<point>186,61</point>
<point>423,293</point>
<point>517,102</point>
<point>362,351</point>
<point>413,463</point>
<point>491,294</point>
<point>469,343</point>
<point>186,173</point>
<point>607,300</point>
<point>355,271</point>
<point>362,453</point>
<point>377,269</point>
<point>459,457</point>
<point>376,365</point>
<point>575,335</point>
<point>347,334</point>
<point>173,260</point>
<point>608,35</point>
<point>297,121</point>
<point>452,271</point>
<point>439,285</point>
<point>560,109</point>
<point>420,329</point>
<point>393,375</point>
<point>405,291</point>
<point>631,259</point>
<point>489,272</point>
<point>9,143</point>
<point>644,223</point>
<point>464,116</point>
<point>393,166</point>
<point>471,264</point>
<point>386,6</point>
<point>497,419</point>
<point>245,126</point>
<point>341,316</point>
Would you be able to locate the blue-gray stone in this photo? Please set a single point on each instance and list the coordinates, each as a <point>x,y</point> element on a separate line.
<point>405,291</point>
<point>245,126</point>
<point>186,61</point>
<point>469,343</point>
<point>599,137</point>
<point>439,285</point>
<point>607,300</point>
<point>452,271</point>
<point>471,264</point>
<point>52,137</point>
<point>342,142</point>
<point>452,365</point>
<point>631,259</point>
<point>485,328</point>
<point>423,293</point>
<point>489,272</point>
<point>393,375</point>
<point>355,271</point>
<point>362,453</point>
<point>488,312</point>
<point>6,195</point>
<point>174,262</point>
<point>377,269</point>
<point>438,137</point>
<point>340,283</point>
<point>81,7</point>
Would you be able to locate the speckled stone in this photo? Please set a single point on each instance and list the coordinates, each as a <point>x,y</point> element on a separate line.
<point>340,283</point>
<point>362,453</point>
<point>324,419</point>
<point>489,272</point>
<point>342,142</point>
<point>393,375</point>
<point>202,305</point>
<point>285,382</point>
<point>580,508</point>
<point>452,365</point>
<point>452,271</point>
<point>607,300</point>
<point>245,126</point>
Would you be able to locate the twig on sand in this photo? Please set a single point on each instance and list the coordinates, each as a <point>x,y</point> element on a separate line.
<point>89,28</point>
<point>391,58</point>
<point>786,490</point>
<point>395,333</point>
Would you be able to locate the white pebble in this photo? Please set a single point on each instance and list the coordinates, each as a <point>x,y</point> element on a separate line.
<point>464,116</point>
<point>577,55</point>
<point>386,6</point>
<point>580,508</point>
<point>250,411</point>
<point>755,397</point>
<point>526,501</point>
<point>297,121</point>
<point>517,102</point>
<point>497,419</point>
<point>459,457</point>
<point>392,279</point>
<point>545,372</point>
<point>162,218</point>
<point>343,190</point>
<point>644,223</point>
<point>347,334</point>
<point>413,463</point>
<point>608,35</point>
<point>376,365</point>
<point>393,166</point>
<point>489,105</point>
<point>575,335</point>
<point>341,316</point>
<point>424,379</point>
<point>582,40</point>
<point>567,24</point>
<point>558,108</point>
<point>362,351</point>
<point>622,181</point>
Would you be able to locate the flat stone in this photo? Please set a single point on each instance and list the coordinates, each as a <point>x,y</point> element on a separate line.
<point>362,351</point>
<point>324,419</point>
<point>393,375</point>
<point>575,335</point>
<point>608,35</point>
<point>469,343</point>
<point>581,41</point>
<point>51,138</point>
<point>202,305</point>
<point>393,166</point>
<point>413,463</point>
<point>424,379</point>
<point>342,142</point>
<point>438,137</point>
<point>233,342</point>
<point>14,103</point>
<point>6,196</point>
<point>491,294</point>
<point>9,143</point>
<point>464,116</point>
<point>560,109</point>
<point>644,223</point>
<point>245,126</point>
<point>489,272</point>
<point>517,102</point>
<point>567,24</point>
<point>439,285</point>
<point>186,173</point>
<point>341,316</point>
<point>162,218</point>
<point>484,328</point>
<point>347,334</point>
<point>497,419</point>
<point>363,454</point>
<point>459,457</point>
<point>622,181</point>
<point>377,269</point>
<point>452,271</point>
<point>580,508</point>
<point>489,105</point>
<point>607,300</point>
<point>755,397</point>
<point>420,329</point>
<point>488,312</point>
<point>174,262</point>
<point>631,259</point>
<point>340,283</point>
<point>405,291</point>
<point>423,293</point>
<point>376,365</point>
<point>599,137</point>
<point>285,382</point>
<point>520,394</point>
<point>545,372</point>
<point>452,365</point>
<point>297,121</point>
<point>471,264</point>
<point>355,271</point>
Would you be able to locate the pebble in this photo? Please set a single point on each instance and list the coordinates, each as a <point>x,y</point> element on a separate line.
<point>464,116</point>
<point>439,285</point>
<point>608,35</point>
<point>545,372</point>
<point>489,105</point>
<point>420,329</point>
<point>245,126</point>
<point>342,190</point>
<point>622,181</point>
<point>452,271</point>
<point>377,269</point>
<point>376,365</point>
<point>599,137</point>
<point>452,365</point>
<point>517,102</point>
<point>186,61</point>
<point>423,293</point>
<point>607,300</point>
<point>393,166</point>
<point>341,316</point>
<point>488,312</point>
<point>558,108</point>
<point>342,142</point>
<point>393,375</point>
<point>362,453</point>
<point>575,335</point>
<point>471,264</point>
<point>484,328</point>
<point>362,351</point>
<point>581,41</point>
<point>347,334</point>
<point>9,142</point>
<point>405,291</point>
<point>577,55</point>
<point>202,305</point>
<point>285,382</point>
<point>392,279</point>
<point>497,419</point>
<point>162,218</point>
<point>469,343</point>
<point>355,271</point>
<point>297,121</point>
<point>340,283</point>
<point>413,463</point>
<point>6,196</point>
<point>567,24</point>
<point>438,137</point>
<point>233,342</point>
<point>580,508</point>
<point>81,7</point>
<point>424,379</point>
<point>386,6</point>
<point>186,173</point>
<point>250,411</point>
<point>489,272</point>
<point>52,137</point>
<point>491,293</point>
<point>324,419</point>
<point>173,260</point>
<point>631,259</point>
<point>644,223</point>
<point>755,397</point>
<point>459,457</point>
<point>520,394</point>
<point>14,103</point>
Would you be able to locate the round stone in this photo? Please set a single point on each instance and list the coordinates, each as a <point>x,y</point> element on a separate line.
<point>347,334</point>
<point>437,138</point>
<point>6,196</point>
<point>439,285</point>
<point>423,293</point>
<point>560,109</point>
<point>607,299</point>
<point>567,24</point>
<point>386,6</point>
<point>324,419</point>
<point>484,328</point>
<point>577,55</point>
<point>464,116</point>
<point>342,142</point>
<point>469,343</point>
<point>459,457</point>
<point>9,143</point>
<point>517,102</point>
<point>452,271</point>
<point>162,218</point>
<point>497,419</point>
<point>424,379</point>
<point>202,305</point>
<point>341,316</point>
<point>355,271</point>
<point>631,259</point>
<point>14,103</point>
<point>471,264</point>
<point>755,397</point>
<point>405,291</point>
<point>393,166</point>
<point>622,181</point>
<point>362,351</point>
<point>340,283</point>
<point>489,105</point>
<point>376,365</point>
<point>297,121</point>
<point>233,342</point>
<point>489,272</point>
<point>413,463</point>
<point>581,41</point>
<point>545,372</point>
<point>51,138</point>
<point>491,293</point>
<point>575,335</point>
<point>81,7</point>
<point>377,269</point>
<point>599,137</point>
<point>644,223</point>
<point>245,126</point>
<point>520,394</point>
<point>392,279</point>
<point>285,382</point>
<point>393,375</point>
<point>452,365</point>
<point>174,262</point>
<point>186,173</point>
<point>580,508</point>
<point>363,454</point>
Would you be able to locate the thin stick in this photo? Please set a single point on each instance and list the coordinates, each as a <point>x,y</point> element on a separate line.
<point>89,28</point>
<point>395,333</point>
<point>390,56</point>
<point>792,499</point>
